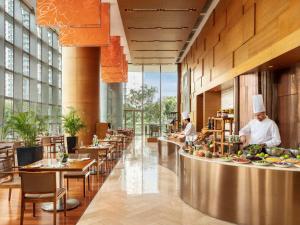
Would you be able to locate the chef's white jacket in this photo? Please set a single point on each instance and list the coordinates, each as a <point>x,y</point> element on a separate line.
<point>189,130</point>
<point>262,132</point>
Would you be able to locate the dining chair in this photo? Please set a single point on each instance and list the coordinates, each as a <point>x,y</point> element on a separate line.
<point>84,175</point>
<point>38,187</point>
<point>93,154</point>
<point>8,180</point>
<point>47,144</point>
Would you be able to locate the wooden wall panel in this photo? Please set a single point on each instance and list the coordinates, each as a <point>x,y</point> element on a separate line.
<point>241,35</point>
<point>248,88</point>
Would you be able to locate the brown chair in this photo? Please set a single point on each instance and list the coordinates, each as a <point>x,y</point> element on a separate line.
<point>48,144</point>
<point>40,187</point>
<point>93,154</point>
<point>7,178</point>
<point>84,175</point>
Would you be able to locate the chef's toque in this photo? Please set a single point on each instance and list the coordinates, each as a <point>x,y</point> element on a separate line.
<point>185,115</point>
<point>258,104</point>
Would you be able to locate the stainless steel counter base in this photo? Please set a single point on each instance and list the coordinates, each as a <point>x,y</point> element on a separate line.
<point>247,195</point>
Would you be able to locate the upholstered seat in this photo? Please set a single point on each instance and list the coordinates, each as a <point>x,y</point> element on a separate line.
<point>49,195</point>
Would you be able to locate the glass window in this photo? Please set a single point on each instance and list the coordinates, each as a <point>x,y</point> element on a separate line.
<point>9,58</point>
<point>39,31</point>
<point>50,40</point>
<point>9,84</point>
<point>59,80</point>
<point>39,50</point>
<point>50,95</point>
<point>25,106</point>
<point>39,71</point>
<point>39,92</point>
<point>59,63</point>
<point>9,7</point>
<point>8,107</point>
<point>9,31</point>
<point>50,76</point>
<point>25,18</point>
<point>26,42</point>
<point>59,96</point>
<point>26,88</point>
<point>50,56</point>
<point>49,111</point>
<point>26,64</point>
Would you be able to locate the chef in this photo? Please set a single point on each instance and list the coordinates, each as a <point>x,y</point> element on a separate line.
<point>261,130</point>
<point>189,129</point>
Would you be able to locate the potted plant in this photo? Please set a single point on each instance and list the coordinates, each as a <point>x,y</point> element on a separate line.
<point>72,124</point>
<point>27,125</point>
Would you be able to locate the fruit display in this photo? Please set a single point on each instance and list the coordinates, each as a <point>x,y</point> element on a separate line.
<point>283,164</point>
<point>241,160</point>
<point>261,163</point>
<point>215,155</point>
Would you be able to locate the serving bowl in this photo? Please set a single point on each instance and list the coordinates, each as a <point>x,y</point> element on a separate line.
<point>294,152</point>
<point>275,151</point>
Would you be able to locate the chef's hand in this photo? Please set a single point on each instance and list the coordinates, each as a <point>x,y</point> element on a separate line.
<point>243,139</point>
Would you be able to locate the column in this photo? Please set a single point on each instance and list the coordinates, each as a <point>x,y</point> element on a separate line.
<point>80,86</point>
<point>117,105</point>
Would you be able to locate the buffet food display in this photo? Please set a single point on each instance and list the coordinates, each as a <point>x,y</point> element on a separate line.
<point>251,154</point>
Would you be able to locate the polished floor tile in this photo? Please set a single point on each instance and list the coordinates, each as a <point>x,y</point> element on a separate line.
<point>141,192</point>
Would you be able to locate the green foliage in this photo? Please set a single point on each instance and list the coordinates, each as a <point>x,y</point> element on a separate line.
<point>72,122</point>
<point>137,97</point>
<point>27,125</point>
<point>4,131</point>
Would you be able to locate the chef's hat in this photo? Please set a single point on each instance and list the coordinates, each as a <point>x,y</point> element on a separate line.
<point>258,104</point>
<point>185,115</point>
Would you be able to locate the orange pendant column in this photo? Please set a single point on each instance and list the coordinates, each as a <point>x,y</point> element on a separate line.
<point>80,86</point>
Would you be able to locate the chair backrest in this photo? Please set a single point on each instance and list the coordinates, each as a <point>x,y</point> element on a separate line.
<point>79,156</point>
<point>38,182</point>
<point>6,166</point>
<point>46,140</point>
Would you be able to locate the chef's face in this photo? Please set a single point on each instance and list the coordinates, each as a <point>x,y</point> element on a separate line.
<point>260,116</point>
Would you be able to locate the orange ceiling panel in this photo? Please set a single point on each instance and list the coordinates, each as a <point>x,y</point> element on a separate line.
<point>88,36</point>
<point>57,13</point>
<point>111,55</point>
<point>115,74</point>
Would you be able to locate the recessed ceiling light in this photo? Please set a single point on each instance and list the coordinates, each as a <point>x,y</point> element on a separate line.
<point>156,41</point>
<point>161,10</point>
<point>156,28</point>
<point>270,66</point>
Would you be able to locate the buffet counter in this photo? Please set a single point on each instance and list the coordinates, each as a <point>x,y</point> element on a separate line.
<point>238,193</point>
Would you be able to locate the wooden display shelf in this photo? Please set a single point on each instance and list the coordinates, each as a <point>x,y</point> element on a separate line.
<point>227,143</point>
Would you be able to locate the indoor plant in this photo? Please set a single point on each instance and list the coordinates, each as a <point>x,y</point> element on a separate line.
<point>72,124</point>
<point>27,125</point>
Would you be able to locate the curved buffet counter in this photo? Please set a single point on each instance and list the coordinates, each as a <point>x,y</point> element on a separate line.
<point>238,193</point>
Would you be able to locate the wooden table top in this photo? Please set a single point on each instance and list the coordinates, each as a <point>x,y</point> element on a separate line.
<point>100,147</point>
<point>53,165</point>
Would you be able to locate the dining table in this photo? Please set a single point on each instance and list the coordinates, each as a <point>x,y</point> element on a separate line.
<point>72,165</point>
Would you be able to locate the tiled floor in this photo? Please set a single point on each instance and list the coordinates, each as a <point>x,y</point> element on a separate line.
<point>140,192</point>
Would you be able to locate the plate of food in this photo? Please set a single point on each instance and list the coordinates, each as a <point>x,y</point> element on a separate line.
<point>261,163</point>
<point>292,160</point>
<point>297,164</point>
<point>283,164</point>
<point>273,159</point>
<point>241,160</point>
<point>225,159</point>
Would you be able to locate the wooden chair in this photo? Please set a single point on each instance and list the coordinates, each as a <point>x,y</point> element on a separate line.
<point>93,154</point>
<point>7,178</point>
<point>84,175</point>
<point>47,143</point>
<point>37,187</point>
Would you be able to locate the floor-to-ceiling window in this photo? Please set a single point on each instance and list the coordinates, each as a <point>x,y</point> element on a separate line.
<point>150,98</point>
<point>30,65</point>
